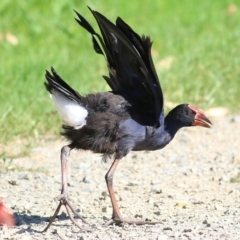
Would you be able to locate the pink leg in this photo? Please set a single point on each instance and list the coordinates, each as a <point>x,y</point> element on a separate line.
<point>117,217</point>
<point>63,197</point>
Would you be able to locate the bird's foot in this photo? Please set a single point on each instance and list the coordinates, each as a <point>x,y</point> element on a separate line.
<point>120,220</point>
<point>63,200</point>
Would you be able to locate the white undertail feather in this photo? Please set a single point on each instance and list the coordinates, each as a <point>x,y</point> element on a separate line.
<point>72,114</point>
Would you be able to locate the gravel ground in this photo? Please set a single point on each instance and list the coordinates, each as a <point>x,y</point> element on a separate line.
<point>188,187</point>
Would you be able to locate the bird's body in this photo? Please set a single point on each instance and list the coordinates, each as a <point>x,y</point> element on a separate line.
<point>109,124</point>
<point>109,127</point>
<point>128,118</point>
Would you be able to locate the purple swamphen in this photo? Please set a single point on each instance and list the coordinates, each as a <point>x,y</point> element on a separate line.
<point>128,118</point>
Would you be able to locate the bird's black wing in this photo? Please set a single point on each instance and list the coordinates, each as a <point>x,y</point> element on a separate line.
<point>131,70</point>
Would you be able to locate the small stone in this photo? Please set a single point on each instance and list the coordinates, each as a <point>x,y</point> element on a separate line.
<point>155,205</point>
<point>218,207</point>
<point>86,179</point>
<point>13,182</point>
<point>197,202</point>
<point>156,188</point>
<point>105,218</point>
<point>167,228</point>
<point>68,235</point>
<point>150,200</point>
<point>180,204</point>
<point>162,237</point>
<point>104,194</point>
<point>104,209</point>
<point>207,223</point>
<point>227,212</point>
<point>193,170</point>
<point>70,184</point>
<point>23,176</point>
<point>133,183</point>
<point>223,179</point>
<point>157,213</point>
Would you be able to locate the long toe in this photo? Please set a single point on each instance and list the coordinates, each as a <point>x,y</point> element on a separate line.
<point>64,201</point>
<point>119,221</point>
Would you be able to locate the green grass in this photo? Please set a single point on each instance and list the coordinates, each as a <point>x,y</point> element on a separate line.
<point>200,37</point>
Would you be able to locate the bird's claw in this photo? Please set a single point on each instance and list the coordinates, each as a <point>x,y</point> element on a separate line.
<point>63,200</point>
<point>119,221</point>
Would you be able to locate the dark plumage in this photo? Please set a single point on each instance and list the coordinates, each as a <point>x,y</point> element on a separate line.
<point>129,118</point>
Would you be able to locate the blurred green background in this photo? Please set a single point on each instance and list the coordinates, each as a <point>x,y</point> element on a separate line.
<point>196,52</point>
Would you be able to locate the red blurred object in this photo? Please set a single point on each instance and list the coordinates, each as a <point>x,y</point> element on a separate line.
<point>6,217</point>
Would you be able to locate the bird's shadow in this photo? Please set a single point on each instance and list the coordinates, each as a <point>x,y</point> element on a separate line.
<point>28,219</point>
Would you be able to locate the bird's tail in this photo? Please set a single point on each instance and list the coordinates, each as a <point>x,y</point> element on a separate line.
<point>68,102</point>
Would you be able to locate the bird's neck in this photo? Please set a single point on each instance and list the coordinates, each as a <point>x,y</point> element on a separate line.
<point>171,126</point>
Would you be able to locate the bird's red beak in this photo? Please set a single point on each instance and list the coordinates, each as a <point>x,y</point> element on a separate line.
<point>200,118</point>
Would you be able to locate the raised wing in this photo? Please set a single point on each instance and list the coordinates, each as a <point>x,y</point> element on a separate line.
<point>131,70</point>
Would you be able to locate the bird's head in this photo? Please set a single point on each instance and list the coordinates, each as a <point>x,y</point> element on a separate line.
<point>187,115</point>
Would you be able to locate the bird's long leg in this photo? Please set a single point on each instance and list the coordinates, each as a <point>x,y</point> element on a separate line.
<point>63,197</point>
<point>109,181</point>
<point>116,217</point>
